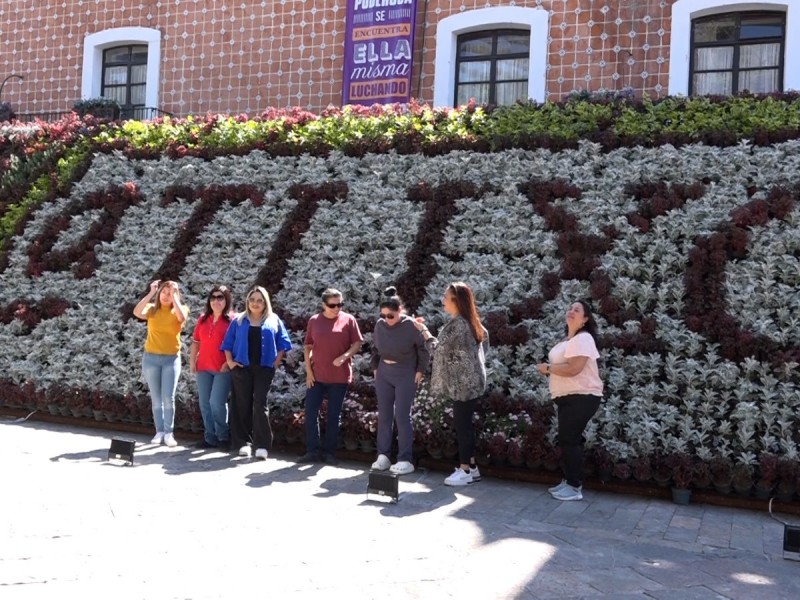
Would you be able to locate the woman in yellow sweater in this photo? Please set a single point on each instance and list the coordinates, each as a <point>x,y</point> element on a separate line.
<point>161,363</point>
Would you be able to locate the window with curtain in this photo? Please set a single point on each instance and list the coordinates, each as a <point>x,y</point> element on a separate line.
<point>736,52</point>
<point>125,75</point>
<point>492,67</point>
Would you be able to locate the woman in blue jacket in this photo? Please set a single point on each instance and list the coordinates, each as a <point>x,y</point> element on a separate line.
<point>254,347</point>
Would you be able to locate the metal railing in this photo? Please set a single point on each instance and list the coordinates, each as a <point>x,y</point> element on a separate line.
<point>136,113</point>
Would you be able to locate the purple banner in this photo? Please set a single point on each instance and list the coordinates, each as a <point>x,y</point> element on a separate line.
<point>378,51</point>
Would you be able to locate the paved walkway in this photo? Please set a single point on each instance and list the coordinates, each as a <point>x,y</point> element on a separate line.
<point>183,523</point>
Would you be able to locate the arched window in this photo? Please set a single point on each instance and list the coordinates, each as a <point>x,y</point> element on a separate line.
<point>734,52</point>
<point>125,76</point>
<point>492,66</point>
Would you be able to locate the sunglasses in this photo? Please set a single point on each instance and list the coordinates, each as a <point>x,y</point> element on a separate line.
<point>217,297</point>
<point>388,315</point>
<point>340,305</point>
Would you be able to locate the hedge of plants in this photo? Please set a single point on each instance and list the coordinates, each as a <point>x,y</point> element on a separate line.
<point>677,218</point>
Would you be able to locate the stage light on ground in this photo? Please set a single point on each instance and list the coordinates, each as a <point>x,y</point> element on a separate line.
<point>121,451</point>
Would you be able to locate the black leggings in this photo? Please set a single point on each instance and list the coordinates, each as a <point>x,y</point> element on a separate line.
<point>465,432</point>
<point>574,412</point>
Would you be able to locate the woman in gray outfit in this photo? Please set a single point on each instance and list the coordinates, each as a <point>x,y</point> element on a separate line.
<point>399,360</point>
<point>459,371</point>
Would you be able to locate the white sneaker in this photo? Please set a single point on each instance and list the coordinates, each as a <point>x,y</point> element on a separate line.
<point>475,473</point>
<point>382,463</point>
<point>557,488</point>
<point>158,438</point>
<point>568,493</point>
<point>169,440</point>
<point>262,453</point>
<point>245,451</point>
<point>459,477</point>
<point>402,467</point>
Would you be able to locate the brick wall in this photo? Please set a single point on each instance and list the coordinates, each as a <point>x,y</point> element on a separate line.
<point>245,55</point>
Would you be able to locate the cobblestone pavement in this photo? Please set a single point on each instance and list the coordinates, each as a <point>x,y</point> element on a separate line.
<point>186,523</point>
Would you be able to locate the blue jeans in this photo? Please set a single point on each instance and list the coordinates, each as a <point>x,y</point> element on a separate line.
<point>161,372</point>
<point>314,396</point>
<point>212,391</point>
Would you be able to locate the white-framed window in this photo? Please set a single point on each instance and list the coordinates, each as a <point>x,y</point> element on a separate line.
<point>452,71</point>
<point>719,46</point>
<point>492,66</point>
<point>102,70</point>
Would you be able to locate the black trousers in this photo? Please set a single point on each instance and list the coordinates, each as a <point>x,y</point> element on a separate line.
<point>248,417</point>
<point>574,412</point>
<point>465,432</point>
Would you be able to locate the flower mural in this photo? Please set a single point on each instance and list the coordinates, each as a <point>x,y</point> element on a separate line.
<point>690,255</point>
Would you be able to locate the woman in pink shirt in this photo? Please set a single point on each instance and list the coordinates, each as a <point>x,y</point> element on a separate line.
<point>576,389</point>
<point>210,369</point>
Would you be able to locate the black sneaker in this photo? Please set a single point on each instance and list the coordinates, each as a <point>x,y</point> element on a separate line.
<point>329,459</point>
<point>203,445</point>
<point>308,457</point>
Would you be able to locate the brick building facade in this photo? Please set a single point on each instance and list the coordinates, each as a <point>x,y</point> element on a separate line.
<point>194,56</point>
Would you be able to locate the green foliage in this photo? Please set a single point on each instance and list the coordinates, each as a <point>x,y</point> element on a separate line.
<point>88,104</point>
<point>45,188</point>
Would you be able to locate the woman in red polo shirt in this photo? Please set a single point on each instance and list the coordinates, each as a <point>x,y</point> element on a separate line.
<point>210,368</point>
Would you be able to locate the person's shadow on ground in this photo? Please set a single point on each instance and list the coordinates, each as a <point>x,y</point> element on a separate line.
<point>173,461</point>
<point>288,474</point>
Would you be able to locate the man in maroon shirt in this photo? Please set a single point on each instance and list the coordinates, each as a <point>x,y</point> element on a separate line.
<point>332,338</point>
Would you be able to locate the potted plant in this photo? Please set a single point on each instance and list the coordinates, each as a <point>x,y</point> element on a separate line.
<point>551,460</point>
<point>102,108</point>
<point>516,457</point>
<point>603,461</point>
<point>787,474</point>
<point>533,446</point>
<point>682,471</point>
<point>662,469</point>
<point>369,427</point>
<point>621,470</point>
<point>351,423</point>
<point>295,427</point>
<point>767,475</point>
<point>75,401</point>
<point>721,474</point>
<point>131,409</point>
<point>742,478</point>
<point>498,448</point>
<point>701,475</point>
<point>145,409</point>
<point>641,469</point>
<point>450,447</point>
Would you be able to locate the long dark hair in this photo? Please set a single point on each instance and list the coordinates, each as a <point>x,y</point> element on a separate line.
<point>465,303</point>
<point>226,312</point>
<point>392,300</point>
<point>590,326</point>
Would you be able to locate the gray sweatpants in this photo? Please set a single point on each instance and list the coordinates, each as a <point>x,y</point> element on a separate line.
<point>395,389</point>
